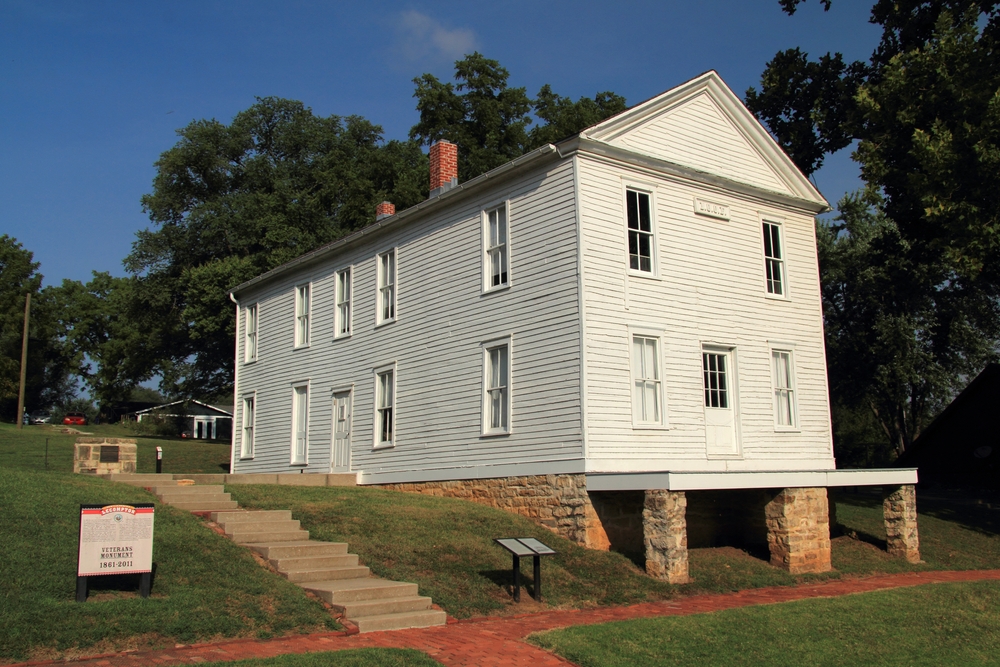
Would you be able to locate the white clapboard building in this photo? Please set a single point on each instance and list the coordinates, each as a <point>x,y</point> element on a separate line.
<point>629,319</point>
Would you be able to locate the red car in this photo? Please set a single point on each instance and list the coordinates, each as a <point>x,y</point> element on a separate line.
<point>75,419</point>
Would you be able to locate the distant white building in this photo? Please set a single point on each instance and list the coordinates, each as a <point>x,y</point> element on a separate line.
<point>628,320</point>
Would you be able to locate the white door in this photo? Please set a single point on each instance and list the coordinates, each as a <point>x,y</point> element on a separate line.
<point>341,432</point>
<point>204,428</point>
<point>720,411</point>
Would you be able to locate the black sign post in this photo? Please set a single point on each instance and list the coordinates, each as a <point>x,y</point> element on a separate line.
<point>526,546</point>
<point>159,460</point>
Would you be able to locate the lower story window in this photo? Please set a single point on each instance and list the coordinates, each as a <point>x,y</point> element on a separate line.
<point>300,424</point>
<point>496,399</point>
<point>784,389</point>
<point>385,389</point>
<point>716,384</point>
<point>249,414</point>
<point>646,388</point>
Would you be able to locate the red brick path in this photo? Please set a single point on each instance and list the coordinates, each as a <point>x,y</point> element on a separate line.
<point>496,642</point>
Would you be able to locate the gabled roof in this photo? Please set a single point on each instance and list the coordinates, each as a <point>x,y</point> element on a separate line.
<point>209,408</point>
<point>730,141</point>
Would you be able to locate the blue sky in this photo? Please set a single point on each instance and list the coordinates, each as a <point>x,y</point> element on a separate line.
<point>91,93</point>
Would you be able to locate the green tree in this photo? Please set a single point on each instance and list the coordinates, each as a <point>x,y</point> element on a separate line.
<point>230,202</point>
<point>899,342</point>
<point>51,363</point>
<point>489,120</point>
<point>915,313</point>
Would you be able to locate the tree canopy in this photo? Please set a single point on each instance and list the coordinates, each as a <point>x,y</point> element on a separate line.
<point>51,362</point>
<point>490,120</point>
<point>911,267</point>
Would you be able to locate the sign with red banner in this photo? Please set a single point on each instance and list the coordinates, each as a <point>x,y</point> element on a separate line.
<point>115,539</point>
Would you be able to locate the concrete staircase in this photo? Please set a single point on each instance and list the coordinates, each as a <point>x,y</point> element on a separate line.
<point>323,568</point>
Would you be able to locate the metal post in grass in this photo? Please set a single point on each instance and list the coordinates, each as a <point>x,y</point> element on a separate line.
<point>24,363</point>
<point>159,460</point>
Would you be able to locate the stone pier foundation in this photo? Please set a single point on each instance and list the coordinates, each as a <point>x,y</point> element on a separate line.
<point>798,530</point>
<point>899,508</point>
<point>664,528</point>
<point>100,456</point>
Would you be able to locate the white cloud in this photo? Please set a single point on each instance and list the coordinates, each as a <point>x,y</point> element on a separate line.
<point>421,38</point>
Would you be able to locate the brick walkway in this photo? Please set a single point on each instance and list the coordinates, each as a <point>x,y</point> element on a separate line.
<point>496,642</point>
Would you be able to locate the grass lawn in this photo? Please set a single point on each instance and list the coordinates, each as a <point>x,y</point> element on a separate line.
<point>25,449</point>
<point>446,546</point>
<point>365,657</point>
<point>938,624</point>
<point>204,586</point>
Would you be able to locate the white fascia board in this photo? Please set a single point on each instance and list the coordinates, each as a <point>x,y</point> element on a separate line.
<point>561,467</point>
<point>429,205</point>
<point>705,481</point>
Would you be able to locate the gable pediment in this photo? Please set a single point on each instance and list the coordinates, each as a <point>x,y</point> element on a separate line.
<point>702,125</point>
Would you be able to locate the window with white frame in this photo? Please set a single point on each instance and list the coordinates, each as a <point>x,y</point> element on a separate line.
<point>343,323</point>
<point>302,315</point>
<point>774,263</point>
<point>647,385</point>
<point>497,259</point>
<point>300,424</point>
<point>250,333</point>
<point>387,287</point>
<point>783,379</point>
<point>640,231</point>
<point>385,398</point>
<point>715,379</point>
<point>496,388</point>
<point>249,415</point>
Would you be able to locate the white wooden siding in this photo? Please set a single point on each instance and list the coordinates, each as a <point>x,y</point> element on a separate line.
<point>710,289</point>
<point>442,320</point>
<point>698,134</point>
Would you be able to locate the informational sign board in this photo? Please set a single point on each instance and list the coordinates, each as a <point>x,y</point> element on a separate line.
<point>115,539</point>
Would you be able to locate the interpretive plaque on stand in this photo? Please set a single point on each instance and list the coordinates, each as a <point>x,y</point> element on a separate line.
<point>115,539</point>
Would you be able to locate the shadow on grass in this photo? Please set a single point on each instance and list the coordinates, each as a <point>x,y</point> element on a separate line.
<point>976,511</point>
<point>504,579</point>
<point>99,587</point>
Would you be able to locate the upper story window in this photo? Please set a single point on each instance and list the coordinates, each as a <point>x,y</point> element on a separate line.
<point>647,385</point>
<point>385,398</point>
<point>250,333</point>
<point>343,323</point>
<point>774,262</point>
<point>387,286</point>
<point>640,231</point>
<point>302,304</point>
<point>497,256</point>
<point>496,389</point>
<point>783,380</point>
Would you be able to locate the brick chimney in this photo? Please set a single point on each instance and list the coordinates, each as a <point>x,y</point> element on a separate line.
<point>384,210</point>
<point>444,167</point>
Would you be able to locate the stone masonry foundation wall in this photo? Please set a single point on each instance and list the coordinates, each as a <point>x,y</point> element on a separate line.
<point>798,530</point>
<point>899,508</point>
<point>87,455</point>
<point>558,502</point>
<point>665,535</point>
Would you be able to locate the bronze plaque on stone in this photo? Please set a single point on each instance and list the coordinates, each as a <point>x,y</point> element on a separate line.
<point>109,454</point>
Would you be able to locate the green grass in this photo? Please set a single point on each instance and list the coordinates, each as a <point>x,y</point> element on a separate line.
<point>204,586</point>
<point>25,449</point>
<point>445,545</point>
<point>365,657</point>
<point>940,624</point>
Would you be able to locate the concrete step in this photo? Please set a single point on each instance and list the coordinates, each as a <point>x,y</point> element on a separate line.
<point>325,574</point>
<point>313,562</point>
<point>188,490</point>
<point>204,499</point>
<point>298,549</point>
<point>364,608</point>
<point>354,590</point>
<point>406,619</point>
<point>262,526</point>
<point>141,479</point>
<point>216,506</point>
<point>284,536</point>
<point>251,515</point>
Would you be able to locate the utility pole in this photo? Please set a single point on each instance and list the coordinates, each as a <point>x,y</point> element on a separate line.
<point>24,363</point>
